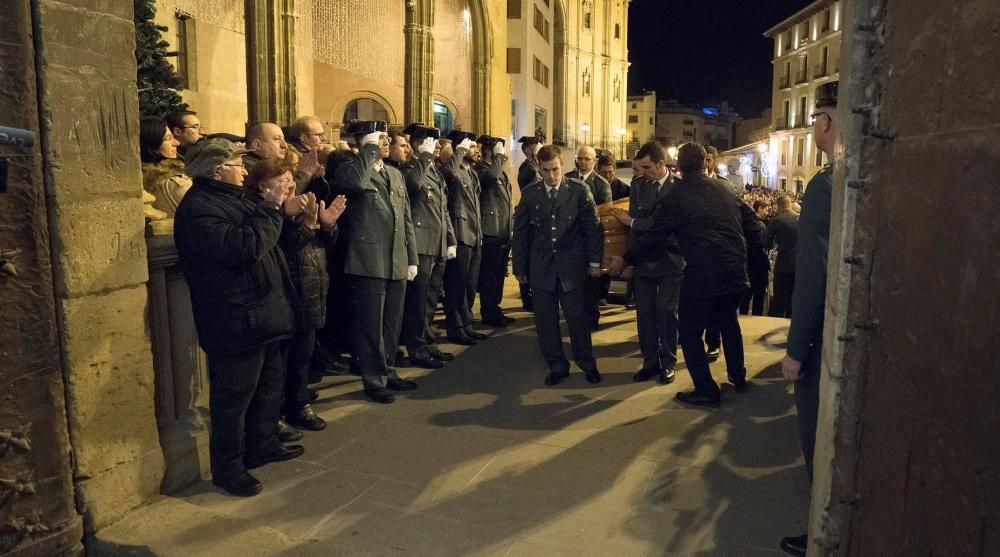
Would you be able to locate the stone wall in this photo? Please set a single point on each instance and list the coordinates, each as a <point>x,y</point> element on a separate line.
<point>93,189</point>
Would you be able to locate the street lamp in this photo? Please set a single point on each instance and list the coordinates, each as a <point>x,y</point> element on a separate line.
<point>621,135</point>
<point>672,151</point>
<point>585,129</point>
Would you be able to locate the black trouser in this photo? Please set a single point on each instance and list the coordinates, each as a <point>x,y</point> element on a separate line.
<point>605,286</point>
<point>460,280</point>
<point>378,305</point>
<point>807,404</point>
<point>417,311</point>
<point>337,335</point>
<point>243,400</point>
<point>695,316</point>
<point>434,288</point>
<point>591,299</point>
<point>526,301</point>
<point>756,294</point>
<point>300,352</point>
<point>547,305</point>
<point>781,303</point>
<point>656,300</point>
<point>713,338</point>
<point>492,272</point>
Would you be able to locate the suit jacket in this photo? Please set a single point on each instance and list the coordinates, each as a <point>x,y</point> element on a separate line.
<point>463,200</point>
<point>783,231</point>
<point>600,189</point>
<point>643,197</point>
<point>554,246</point>
<point>428,205</point>
<point>495,199</point>
<point>378,227</point>
<point>528,173</point>
<point>805,335</point>
<point>619,189</point>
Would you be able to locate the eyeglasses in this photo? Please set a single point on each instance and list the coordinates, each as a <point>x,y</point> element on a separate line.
<point>241,165</point>
<point>814,115</point>
<point>194,127</point>
<point>319,134</point>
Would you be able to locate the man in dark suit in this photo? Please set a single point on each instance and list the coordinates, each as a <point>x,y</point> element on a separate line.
<point>600,190</point>
<point>805,335</point>
<point>783,232</point>
<point>606,169</point>
<point>434,236</point>
<point>461,274</point>
<point>558,244</point>
<point>528,174</point>
<point>711,226</point>
<point>381,257</point>
<point>656,278</point>
<point>496,209</point>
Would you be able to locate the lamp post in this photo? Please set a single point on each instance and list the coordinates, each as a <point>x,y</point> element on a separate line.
<point>621,136</point>
<point>585,129</point>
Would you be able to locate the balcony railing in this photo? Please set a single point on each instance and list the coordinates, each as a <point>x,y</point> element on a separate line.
<point>781,124</point>
<point>801,77</point>
<point>820,70</point>
<point>784,82</point>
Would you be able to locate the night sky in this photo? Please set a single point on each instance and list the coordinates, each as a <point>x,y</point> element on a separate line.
<point>706,51</point>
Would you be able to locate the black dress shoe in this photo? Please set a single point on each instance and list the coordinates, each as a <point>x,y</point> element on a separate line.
<point>739,383</point>
<point>554,378</point>
<point>380,395</point>
<point>287,433</point>
<point>426,362</point>
<point>666,377</point>
<point>240,485</point>
<point>286,452</point>
<point>593,376</point>
<point>496,323</point>
<point>713,354</point>
<point>646,374</point>
<point>507,320</point>
<point>795,545</point>
<point>306,418</point>
<point>401,385</point>
<point>474,334</point>
<point>697,399</point>
<point>443,356</point>
<point>462,338</point>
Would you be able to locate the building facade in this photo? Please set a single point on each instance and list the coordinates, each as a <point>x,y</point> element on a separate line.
<point>678,123</point>
<point>641,124</point>
<point>806,55</point>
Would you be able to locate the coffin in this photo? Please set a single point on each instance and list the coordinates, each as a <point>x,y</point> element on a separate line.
<point>615,233</point>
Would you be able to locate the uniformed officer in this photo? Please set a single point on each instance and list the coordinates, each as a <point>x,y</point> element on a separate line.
<point>461,274</point>
<point>435,240</point>
<point>496,208</point>
<point>600,189</point>
<point>558,243</point>
<point>528,174</point>
<point>381,257</point>
<point>805,335</point>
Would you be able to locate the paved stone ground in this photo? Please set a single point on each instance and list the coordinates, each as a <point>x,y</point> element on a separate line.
<point>484,459</point>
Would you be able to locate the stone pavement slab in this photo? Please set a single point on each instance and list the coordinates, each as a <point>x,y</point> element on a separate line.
<point>483,459</point>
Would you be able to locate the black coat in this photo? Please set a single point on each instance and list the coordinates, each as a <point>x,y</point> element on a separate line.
<point>496,207</point>
<point>528,174</point>
<point>600,189</point>
<point>306,253</point>
<point>712,227</point>
<point>643,199</point>
<point>619,190</point>
<point>783,231</point>
<point>241,292</point>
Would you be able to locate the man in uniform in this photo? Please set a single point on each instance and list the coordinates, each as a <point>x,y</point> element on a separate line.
<point>600,190</point>
<point>656,278</point>
<point>496,207</point>
<point>381,257</point>
<point>435,241</point>
<point>527,175</point>
<point>461,274</point>
<point>558,244</point>
<point>805,335</point>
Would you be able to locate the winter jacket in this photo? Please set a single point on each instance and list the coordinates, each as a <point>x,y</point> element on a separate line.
<point>167,182</point>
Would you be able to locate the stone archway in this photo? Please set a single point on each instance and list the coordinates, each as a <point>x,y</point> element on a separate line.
<point>366,105</point>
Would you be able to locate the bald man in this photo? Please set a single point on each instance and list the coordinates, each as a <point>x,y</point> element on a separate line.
<point>265,140</point>
<point>600,190</point>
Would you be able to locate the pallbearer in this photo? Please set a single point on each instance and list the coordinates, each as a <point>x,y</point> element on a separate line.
<point>498,221</point>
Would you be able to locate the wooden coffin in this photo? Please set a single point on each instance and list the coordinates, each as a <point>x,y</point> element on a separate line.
<point>615,233</point>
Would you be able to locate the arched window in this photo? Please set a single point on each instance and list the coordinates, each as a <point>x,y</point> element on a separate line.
<point>444,120</point>
<point>365,109</point>
<point>588,13</point>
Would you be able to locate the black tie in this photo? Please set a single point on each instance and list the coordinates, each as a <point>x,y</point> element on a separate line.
<point>552,198</point>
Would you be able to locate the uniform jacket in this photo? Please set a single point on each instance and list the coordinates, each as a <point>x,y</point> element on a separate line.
<point>805,335</point>
<point>619,189</point>
<point>428,205</point>
<point>600,189</point>
<point>241,292</point>
<point>377,227</point>
<point>463,200</point>
<point>712,227</point>
<point>783,231</point>
<point>643,196</point>
<point>556,246</point>
<point>496,203</point>
<point>528,173</point>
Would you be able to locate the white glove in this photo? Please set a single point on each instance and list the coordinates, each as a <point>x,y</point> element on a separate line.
<point>499,149</point>
<point>465,144</point>
<point>452,252</point>
<point>427,145</point>
<point>411,273</point>
<point>371,139</point>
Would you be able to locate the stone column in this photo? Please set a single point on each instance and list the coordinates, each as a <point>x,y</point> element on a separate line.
<point>270,36</point>
<point>418,84</point>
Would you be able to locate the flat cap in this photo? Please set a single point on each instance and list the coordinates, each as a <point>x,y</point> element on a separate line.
<point>202,158</point>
